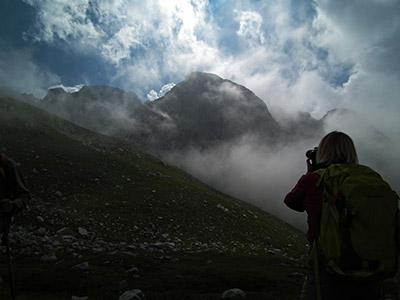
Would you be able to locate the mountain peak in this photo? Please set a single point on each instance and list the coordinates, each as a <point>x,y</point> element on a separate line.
<point>202,75</point>
<point>96,107</point>
<point>205,110</point>
<point>200,112</point>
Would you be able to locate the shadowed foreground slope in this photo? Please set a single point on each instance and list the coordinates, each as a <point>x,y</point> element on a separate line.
<point>104,212</point>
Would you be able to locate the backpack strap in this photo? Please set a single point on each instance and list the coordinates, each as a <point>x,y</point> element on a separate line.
<point>321,172</point>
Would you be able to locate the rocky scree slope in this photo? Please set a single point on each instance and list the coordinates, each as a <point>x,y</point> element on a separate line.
<point>97,200</point>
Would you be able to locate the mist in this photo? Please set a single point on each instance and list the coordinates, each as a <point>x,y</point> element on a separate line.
<point>262,175</point>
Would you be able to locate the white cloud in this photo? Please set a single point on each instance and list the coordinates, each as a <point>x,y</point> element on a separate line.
<point>173,37</point>
<point>64,20</point>
<point>366,33</point>
<point>250,27</point>
<point>153,95</point>
<point>344,57</point>
<point>119,47</point>
<point>166,88</point>
<point>250,171</point>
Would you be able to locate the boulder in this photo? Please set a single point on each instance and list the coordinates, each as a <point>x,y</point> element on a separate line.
<point>48,258</point>
<point>133,295</point>
<point>233,294</point>
<point>82,267</point>
<point>83,231</point>
<point>66,231</point>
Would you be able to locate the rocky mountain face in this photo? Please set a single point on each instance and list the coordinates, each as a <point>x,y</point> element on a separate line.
<point>199,112</point>
<point>98,108</point>
<point>202,111</point>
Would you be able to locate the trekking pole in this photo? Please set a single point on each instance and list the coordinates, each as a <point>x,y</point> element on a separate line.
<point>10,270</point>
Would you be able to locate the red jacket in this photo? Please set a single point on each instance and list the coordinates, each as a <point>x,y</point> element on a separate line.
<point>306,196</point>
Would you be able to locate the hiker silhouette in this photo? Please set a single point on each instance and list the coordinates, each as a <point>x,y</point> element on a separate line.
<point>338,194</point>
<point>14,194</point>
<point>13,198</point>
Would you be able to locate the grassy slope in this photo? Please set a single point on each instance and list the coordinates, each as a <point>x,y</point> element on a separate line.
<point>121,194</point>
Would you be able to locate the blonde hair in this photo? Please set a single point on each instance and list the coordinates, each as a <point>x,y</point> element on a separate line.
<point>335,148</point>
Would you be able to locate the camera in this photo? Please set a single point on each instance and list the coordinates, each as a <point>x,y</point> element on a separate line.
<point>312,155</point>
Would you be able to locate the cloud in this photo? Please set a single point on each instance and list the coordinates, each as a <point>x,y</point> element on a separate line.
<point>359,30</point>
<point>153,95</point>
<point>366,34</point>
<point>250,27</point>
<point>250,171</point>
<point>263,176</point>
<point>65,20</point>
<point>167,39</point>
<point>337,55</point>
<point>119,47</point>
<point>19,72</point>
<point>166,88</point>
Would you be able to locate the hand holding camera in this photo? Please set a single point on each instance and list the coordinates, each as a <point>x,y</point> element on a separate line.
<point>311,159</point>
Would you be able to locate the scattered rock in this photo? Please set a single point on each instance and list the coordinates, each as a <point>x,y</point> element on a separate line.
<point>83,231</point>
<point>39,220</point>
<point>132,269</point>
<point>233,294</point>
<point>221,207</point>
<point>82,267</point>
<point>48,257</point>
<point>133,295</point>
<point>66,231</point>
<point>275,252</point>
<point>26,252</point>
<point>273,243</point>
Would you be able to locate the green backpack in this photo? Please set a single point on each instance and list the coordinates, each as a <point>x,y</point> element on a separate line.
<point>358,238</point>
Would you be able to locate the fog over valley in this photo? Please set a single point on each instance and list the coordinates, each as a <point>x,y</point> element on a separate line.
<point>223,134</point>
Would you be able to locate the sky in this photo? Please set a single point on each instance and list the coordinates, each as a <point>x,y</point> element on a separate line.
<point>297,55</point>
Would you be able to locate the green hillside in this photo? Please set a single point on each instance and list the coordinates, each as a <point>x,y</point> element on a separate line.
<point>134,219</point>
